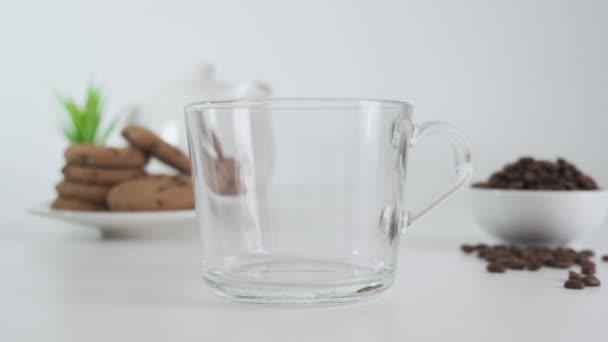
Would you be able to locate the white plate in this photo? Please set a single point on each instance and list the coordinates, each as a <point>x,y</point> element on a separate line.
<point>126,224</point>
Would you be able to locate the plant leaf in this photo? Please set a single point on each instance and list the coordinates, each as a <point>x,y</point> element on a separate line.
<point>92,114</point>
<point>75,117</point>
<point>70,134</point>
<point>84,122</point>
<point>108,130</point>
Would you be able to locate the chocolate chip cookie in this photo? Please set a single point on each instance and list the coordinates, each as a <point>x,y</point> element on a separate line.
<point>86,192</point>
<point>151,143</point>
<point>102,176</point>
<point>66,203</point>
<point>101,156</point>
<point>152,193</point>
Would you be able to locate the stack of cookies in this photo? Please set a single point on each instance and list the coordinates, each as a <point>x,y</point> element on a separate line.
<point>92,170</point>
<point>101,178</point>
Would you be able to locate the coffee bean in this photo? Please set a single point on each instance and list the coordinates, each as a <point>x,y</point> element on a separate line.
<point>575,284</point>
<point>548,166</point>
<point>591,281</point>
<point>511,175</point>
<point>515,251</point>
<point>562,163</point>
<point>605,257</point>
<point>481,247</point>
<point>588,270</point>
<point>560,263</point>
<point>580,259</point>
<point>586,183</point>
<point>543,257</point>
<point>529,176</point>
<point>525,160</point>
<point>528,173</point>
<point>516,185</point>
<point>501,258</point>
<point>496,267</point>
<point>514,264</point>
<point>467,248</point>
<point>481,185</point>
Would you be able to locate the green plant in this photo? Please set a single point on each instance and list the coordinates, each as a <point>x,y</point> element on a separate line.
<point>83,122</point>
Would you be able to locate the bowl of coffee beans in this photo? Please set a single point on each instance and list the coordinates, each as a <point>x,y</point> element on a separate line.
<point>539,202</point>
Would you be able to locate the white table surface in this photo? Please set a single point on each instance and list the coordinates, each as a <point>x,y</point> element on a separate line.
<point>75,287</point>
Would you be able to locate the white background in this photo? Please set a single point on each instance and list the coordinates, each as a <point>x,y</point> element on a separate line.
<point>517,77</point>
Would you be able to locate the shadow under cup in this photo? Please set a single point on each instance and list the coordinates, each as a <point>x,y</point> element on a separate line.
<point>301,200</point>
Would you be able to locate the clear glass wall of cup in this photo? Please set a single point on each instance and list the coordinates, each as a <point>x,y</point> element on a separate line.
<point>302,200</point>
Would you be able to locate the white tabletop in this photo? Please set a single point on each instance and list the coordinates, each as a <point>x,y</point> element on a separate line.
<point>71,287</point>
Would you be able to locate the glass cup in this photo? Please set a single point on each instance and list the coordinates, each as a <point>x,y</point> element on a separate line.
<point>302,200</point>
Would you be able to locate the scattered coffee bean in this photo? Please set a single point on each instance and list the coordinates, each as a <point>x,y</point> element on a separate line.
<point>591,281</point>
<point>560,263</point>
<point>605,257</point>
<point>573,275</point>
<point>480,246</point>
<point>579,259</point>
<point>496,267</point>
<point>500,258</point>
<point>514,264</point>
<point>468,248</point>
<point>533,266</point>
<point>575,284</point>
<point>528,173</point>
<point>588,270</point>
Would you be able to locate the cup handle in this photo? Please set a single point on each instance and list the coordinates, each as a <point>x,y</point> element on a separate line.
<point>462,154</point>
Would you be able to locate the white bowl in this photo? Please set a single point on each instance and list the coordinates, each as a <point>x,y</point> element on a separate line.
<point>540,217</point>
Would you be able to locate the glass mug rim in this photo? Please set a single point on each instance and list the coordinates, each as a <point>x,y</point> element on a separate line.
<point>382,105</point>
